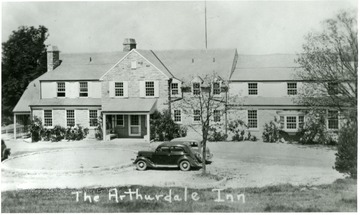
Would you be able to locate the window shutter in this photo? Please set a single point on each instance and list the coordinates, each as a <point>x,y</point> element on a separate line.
<point>156,88</point>
<point>126,90</point>
<point>142,88</point>
<point>111,88</point>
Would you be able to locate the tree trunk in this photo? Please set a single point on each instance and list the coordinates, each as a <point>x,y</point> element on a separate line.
<point>204,152</point>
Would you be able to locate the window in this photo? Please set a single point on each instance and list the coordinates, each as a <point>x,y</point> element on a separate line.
<point>120,120</point>
<point>216,88</point>
<point>133,64</point>
<point>333,119</point>
<point>149,88</point>
<point>252,118</point>
<point>83,89</point>
<point>47,117</point>
<point>174,89</point>
<point>176,149</point>
<point>70,118</point>
<point>60,89</point>
<point>119,89</point>
<point>333,88</point>
<point>196,88</point>
<point>217,116</point>
<point>164,149</point>
<point>253,90</point>
<point>197,116</point>
<point>291,122</point>
<point>177,115</point>
<point>282,123</point>
<point>93,118</point>
<point>301,121</point>
<point>292,88</point>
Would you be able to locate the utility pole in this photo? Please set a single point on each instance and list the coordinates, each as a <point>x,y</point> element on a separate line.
<point>205,27</point>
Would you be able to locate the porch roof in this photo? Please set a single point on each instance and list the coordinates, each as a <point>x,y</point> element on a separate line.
<point>131,105</point>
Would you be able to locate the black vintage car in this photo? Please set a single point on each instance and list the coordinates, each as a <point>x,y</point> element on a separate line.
<point>168,155</point>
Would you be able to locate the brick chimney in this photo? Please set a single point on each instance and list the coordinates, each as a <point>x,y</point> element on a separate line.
<point>53,60</point>
<point>129,44</point>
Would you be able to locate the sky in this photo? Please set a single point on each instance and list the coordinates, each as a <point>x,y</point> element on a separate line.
<point>253,27</point>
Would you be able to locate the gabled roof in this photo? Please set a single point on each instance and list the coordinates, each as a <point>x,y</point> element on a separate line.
<point>32,93</point>
<point>79,67</point>
<point>274,67</point>
<point>186,64</point>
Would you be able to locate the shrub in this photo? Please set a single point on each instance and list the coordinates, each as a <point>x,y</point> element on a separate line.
<point>271,131</point>
<point>216,134</point>
<point>237,127</point>
<point>38,132</point>
<point>163,127</point>
<point>35,129</point>
<point>315,131</point>
<point>346,156</point>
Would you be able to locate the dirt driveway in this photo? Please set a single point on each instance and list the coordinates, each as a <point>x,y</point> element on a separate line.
<point>239,164</point>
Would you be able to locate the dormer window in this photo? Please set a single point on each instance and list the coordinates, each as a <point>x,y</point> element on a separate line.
<point>196,88</point>
<point>60,89</point>
<point>216,88</point>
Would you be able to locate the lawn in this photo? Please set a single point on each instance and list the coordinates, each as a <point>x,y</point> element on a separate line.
<point>338,196</point>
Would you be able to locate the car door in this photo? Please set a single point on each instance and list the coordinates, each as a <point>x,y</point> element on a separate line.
<point>175,153</point>
<point>161,156</point>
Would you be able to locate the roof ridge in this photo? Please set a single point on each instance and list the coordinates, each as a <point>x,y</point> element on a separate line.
<point>161,62</point>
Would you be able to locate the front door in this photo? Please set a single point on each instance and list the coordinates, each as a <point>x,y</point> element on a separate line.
<point>134,125</point>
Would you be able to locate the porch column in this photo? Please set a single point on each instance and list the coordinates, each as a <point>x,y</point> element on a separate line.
<point>148,127</point>
<point>15,126</point>
<point>104,127</point>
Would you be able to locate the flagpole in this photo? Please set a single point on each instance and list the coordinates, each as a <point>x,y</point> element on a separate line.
<point>205,27</point>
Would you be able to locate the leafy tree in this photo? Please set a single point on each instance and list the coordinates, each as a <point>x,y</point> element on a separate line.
<point>163,127</point>
<point>207,103</point>
<point>23,60</point>
<point>329,65</point>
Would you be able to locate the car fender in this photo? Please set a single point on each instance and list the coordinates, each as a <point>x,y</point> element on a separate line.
<point>187,158</point>
<point>148,162</point>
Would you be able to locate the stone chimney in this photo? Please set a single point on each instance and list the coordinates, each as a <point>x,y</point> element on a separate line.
<point>129,44</point>
<point>53,60</point>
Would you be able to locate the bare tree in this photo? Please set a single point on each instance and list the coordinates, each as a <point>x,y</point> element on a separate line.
<point>208,102</point>
<point>329,64</point>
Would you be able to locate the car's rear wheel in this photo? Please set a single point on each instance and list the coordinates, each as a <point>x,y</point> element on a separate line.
<point>141,165</point>
<point>185,165</point>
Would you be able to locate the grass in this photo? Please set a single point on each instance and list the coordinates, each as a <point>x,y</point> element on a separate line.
<point>339,196</point>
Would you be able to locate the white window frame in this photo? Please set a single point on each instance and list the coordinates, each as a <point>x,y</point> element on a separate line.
<point>296,123</point>
<point>66,117</point>
<point>252,89</point>
<point>60,91</point>
<point>87,89</point>
<point>119,88</point>
<point>291,90</point>
<point>257,120</point>
<point>192,88</point>
<point>175,116</point>
<point>196,115</point>
<point>150,87</point>
<point>52,118</point>
<point>92,118</point>
<point>328,119</point>
<point>172,89</point>
<point>116,120</point>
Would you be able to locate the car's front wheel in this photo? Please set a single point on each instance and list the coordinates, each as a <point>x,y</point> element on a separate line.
<point>185,165</point>
<point>141,165</point>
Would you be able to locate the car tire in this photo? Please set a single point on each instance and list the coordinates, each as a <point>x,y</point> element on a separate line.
<point>185,165</point>
<point>141,165</point>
